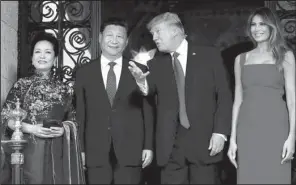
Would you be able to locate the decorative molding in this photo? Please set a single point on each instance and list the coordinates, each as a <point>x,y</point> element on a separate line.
<point>96,12</point>
<point>286,10</point>
<point>270,4</point>
<point>218,13</point>
<point>23,56</point>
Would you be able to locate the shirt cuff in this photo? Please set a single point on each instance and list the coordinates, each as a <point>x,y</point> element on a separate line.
<point>222,135</point>
<point>143,87</point>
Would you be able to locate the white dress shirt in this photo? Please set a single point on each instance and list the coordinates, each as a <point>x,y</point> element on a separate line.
<point>105,69</point>
<point>182,50</point>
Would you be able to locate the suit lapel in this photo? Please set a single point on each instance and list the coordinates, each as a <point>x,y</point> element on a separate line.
<point>190,71</point>
<point>167,64</point>
<point>125,81</point>
<point>99,83</point>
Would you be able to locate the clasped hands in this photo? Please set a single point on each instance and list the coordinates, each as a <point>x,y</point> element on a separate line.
<point>42,132</point>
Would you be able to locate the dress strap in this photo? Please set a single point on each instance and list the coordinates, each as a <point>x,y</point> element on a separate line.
<point>242,59</point>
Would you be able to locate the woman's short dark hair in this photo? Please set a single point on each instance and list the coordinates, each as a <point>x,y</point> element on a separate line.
<point>48,37</point>
<point>41,36</point>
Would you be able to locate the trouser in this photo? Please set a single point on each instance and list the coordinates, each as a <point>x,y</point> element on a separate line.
<point>114,172</point>
<point>181,170</point>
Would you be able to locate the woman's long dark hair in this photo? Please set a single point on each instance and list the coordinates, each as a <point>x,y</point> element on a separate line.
<point>277,42</point>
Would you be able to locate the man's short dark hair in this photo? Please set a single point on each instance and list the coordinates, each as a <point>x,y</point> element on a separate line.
<point>115,21</point>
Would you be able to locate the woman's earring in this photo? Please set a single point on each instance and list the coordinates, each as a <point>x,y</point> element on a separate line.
<point>55,62</point>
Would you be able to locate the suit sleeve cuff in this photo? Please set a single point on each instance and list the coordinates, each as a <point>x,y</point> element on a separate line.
<point>143,87</point>
<point>221,135</point>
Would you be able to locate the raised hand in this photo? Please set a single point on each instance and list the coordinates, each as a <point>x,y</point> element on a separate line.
<point>138,74</point>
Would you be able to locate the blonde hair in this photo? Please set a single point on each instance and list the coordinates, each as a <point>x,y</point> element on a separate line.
<point>277,42</point>
<point>169,18</point>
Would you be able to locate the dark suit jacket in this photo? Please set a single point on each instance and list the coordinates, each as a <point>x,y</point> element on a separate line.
<point>128,122</point>
<point>208,103</point>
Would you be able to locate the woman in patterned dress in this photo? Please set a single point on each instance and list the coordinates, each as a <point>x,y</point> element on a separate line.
<point>52,153</point>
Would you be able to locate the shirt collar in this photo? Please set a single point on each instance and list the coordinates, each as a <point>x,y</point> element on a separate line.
<point>105,61</point>
<point>182,49</point>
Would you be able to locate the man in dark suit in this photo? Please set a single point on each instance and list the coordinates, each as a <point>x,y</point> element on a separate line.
<point>115,121</point>
<point>194,104</point>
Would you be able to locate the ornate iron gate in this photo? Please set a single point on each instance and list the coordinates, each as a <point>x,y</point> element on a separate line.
<point>288,15</point>
<point>286,11</point>
<point>74,23</point>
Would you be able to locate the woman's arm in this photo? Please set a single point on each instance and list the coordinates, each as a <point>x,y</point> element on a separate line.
<point>289,74</point>
<point>37,130</point>
<point>26,128</point>
<point>237,97</point>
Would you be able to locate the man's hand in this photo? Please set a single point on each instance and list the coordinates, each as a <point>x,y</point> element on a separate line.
<point>138,74</point>
<point>216,144</point>
<point>83,159</point>
<point>2,159</point>
<point>147,156</point>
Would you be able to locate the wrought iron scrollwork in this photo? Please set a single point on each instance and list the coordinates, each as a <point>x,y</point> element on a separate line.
<point>68,75</point>
<point>77,11</point>
<point>79,42</point>
<point>69,21</point>
<point>290,27</point>
<point>43,9</point>
<point>286,11</point>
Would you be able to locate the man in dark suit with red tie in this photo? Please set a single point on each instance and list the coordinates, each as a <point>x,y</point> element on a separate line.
<point>115,120</point>
<point>194,104</point>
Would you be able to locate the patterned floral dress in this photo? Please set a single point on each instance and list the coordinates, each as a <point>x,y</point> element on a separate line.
<point>47,161</point>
